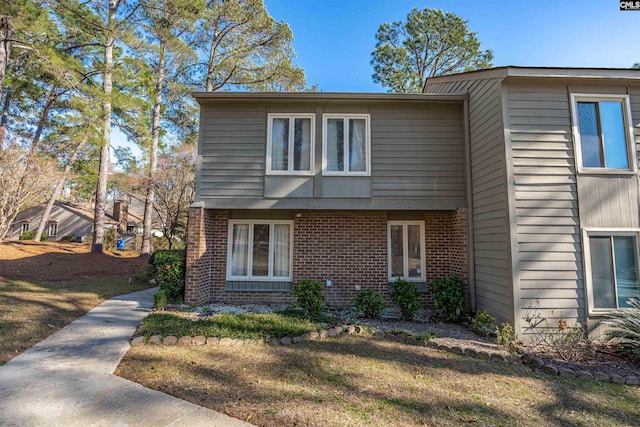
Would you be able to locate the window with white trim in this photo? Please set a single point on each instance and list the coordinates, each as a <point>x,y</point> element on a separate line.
<point>406,249</point>
<point>24,227</point>
<point>52,229</point>
<point>260,250</point>
<point>346,148</point>
<point>602,132</point>
<point>290,144</point>
<point>612,273</point>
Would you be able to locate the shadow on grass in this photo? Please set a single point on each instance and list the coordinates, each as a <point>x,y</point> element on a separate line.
<point>367,380</point>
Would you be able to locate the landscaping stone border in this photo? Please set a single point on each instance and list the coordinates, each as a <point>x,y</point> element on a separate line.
<point>535,362</point>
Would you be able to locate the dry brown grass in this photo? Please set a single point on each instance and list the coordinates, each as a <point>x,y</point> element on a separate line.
<point>33,305</point>
<point>354,381</point>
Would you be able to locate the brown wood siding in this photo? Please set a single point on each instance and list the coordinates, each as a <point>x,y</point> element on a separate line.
<point>493,280</point>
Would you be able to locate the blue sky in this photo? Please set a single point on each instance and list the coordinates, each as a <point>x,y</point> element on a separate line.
<point>334,38</point>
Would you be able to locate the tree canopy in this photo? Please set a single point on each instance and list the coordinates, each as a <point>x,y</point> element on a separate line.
<point>72,70</point>
<point>429,43</point>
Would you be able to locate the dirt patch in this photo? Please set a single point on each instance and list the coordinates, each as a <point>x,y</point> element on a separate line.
<point>60,261</point>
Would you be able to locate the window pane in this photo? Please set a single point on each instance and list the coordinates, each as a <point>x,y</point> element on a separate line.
<point>280,144</point>
<point>335,145</point>
<point>602,272</point>
<point>302,145</point>
<point>589,135</point>
<point>615,141</point>
<point>397,251</point>
<point>260,265</point>
<point>415,258</point>
<point>281,250</point>
<point>624,249</point>
<point>239,250</point>
<point>357,145</point>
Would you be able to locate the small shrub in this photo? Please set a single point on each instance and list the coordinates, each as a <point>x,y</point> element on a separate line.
<point>308,294</point>
<point>624,331</point>
<point>483,323</point>
<point>160,300</point>
<point>370,302</point>
<point>405,295</point>
<point>169,269</point>
<point>448,297</point>
<point>505,336</point>
<point>68,238</point>
<point>570,343</point>
<point>29,235</point>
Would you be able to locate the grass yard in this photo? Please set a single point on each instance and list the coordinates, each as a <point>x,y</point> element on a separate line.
<point>358,380</point>
<point>34,303</point>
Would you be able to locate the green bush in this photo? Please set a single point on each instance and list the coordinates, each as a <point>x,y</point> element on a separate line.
<point>624,331</point>
<point>169,269</point>
<point>448,297</point>
<point>68,238</point>
<point>370,302</point>
<point>160,300</point>
<point>308,294</point>
<point>405,295</point>
<point>29,235</point>
<point>505,335</point>
<point>483,323</point>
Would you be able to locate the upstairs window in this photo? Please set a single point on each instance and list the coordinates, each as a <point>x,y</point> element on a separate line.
<point>290,144</point>
<point>346,148</point>
<point>603,137</point>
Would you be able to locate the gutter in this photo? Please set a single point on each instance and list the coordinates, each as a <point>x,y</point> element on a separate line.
<point>471,268</point>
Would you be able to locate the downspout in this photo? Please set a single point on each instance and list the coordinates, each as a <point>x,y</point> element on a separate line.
<point>471,270</point>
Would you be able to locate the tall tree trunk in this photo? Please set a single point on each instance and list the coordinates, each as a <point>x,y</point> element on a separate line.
<point>153,156</point>
<point>103,169</point>
<point>5,117</point>
<point>60,185</point>
<point>6,41</point>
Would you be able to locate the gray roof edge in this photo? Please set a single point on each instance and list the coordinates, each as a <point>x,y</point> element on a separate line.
<point>325,96</point>
<point>543,72</point>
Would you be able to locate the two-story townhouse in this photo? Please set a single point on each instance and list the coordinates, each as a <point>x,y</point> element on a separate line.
<point>353,190</point>
<point>522,180</point>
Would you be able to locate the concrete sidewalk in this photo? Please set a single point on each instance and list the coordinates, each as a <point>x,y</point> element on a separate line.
<point>67,379</point>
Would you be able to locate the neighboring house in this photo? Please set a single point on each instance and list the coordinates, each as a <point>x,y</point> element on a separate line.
<point>76,219</point>
<point>66,219</point>
<point>524,181</point>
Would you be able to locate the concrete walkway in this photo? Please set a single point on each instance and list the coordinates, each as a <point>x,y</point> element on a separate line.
<point>67,379</point>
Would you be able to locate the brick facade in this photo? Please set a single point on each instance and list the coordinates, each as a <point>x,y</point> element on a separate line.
<point>347,247</point>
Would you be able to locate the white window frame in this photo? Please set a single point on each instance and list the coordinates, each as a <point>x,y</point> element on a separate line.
<point>586,249</point>
<point>405,251</point>
<point>312,131</point>
<point>249,276</point>
<point>24,224</point>
<point>49,224</point>
<point>346,117</point>
<point>628,129</point>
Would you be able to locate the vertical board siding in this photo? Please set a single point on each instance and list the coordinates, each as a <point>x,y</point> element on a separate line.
<point>233,151</point>
<point>493,278</point>
<point>547,216</point>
